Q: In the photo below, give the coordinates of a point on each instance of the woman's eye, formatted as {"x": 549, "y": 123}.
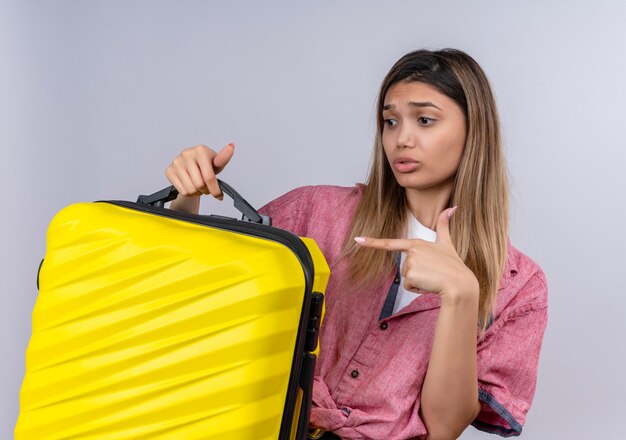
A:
{"x": 390, "y": 122}
{"x": 423, "y": 120}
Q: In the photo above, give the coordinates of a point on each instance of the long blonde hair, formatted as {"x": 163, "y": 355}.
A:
{"x": 479, "y": 228}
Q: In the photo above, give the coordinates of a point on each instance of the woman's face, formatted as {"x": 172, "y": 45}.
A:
{"x": 423, "y": 135}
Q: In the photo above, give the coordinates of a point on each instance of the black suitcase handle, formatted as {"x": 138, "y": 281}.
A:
{"x": 159, "y": 198}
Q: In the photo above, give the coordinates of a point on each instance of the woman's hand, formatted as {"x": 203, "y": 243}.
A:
{"x": 449, "y": 397}
{"x": 433, "y": 267}
{"x": 193, "y": 172}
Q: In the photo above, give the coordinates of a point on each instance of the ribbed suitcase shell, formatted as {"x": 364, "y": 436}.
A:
{"x": 148, "y": 326}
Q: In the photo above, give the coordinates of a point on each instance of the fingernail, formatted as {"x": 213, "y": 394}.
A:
{"x": 359, "y": 240}
{"x": 452, "y": 211}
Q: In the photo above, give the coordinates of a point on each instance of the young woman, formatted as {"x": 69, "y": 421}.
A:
{"x": 434, "y": 321}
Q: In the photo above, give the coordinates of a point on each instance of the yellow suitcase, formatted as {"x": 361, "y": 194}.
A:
{"x": 155, "y": 324}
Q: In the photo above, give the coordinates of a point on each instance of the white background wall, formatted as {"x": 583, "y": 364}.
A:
{"x": 96, "y": 98}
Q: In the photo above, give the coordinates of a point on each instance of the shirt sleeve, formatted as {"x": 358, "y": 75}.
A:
{"x": 507, "y": 362}
{"x": 289, "y": 211}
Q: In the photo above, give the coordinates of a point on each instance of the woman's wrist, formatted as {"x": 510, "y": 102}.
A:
{"x": 190, "y": 205}
{"x": 465, "y": 291}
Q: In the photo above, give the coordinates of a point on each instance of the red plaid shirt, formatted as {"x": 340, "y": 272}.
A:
{"x": 370, "y": 371}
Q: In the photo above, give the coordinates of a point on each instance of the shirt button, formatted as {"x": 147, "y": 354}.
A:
{"x": 384, "y": 326}
{"x": 354, "y": 373}
{"x": 396, "y": 280}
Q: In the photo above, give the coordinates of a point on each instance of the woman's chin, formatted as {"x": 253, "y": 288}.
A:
{"x": 418, "y": 183}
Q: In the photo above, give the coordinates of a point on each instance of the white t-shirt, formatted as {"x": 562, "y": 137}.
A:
{"x": 415, "y": 230}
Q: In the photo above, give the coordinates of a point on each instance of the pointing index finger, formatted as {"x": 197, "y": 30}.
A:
{"x": 386, "y": 244}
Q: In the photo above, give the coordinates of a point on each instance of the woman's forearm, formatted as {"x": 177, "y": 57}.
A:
{"x": 449, "y": 398}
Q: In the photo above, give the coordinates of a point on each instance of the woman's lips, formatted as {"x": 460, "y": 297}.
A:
{"x": 405, "y": 165}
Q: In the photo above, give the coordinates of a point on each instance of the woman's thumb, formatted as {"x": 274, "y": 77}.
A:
{"x": 223, "y": 156}
{"x": 443, "y": 224}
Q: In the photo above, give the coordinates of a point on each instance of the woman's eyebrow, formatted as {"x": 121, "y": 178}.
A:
{"x": 414, "y": 104}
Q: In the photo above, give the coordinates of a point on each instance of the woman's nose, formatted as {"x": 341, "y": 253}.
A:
{"x": 406, "y": 137}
